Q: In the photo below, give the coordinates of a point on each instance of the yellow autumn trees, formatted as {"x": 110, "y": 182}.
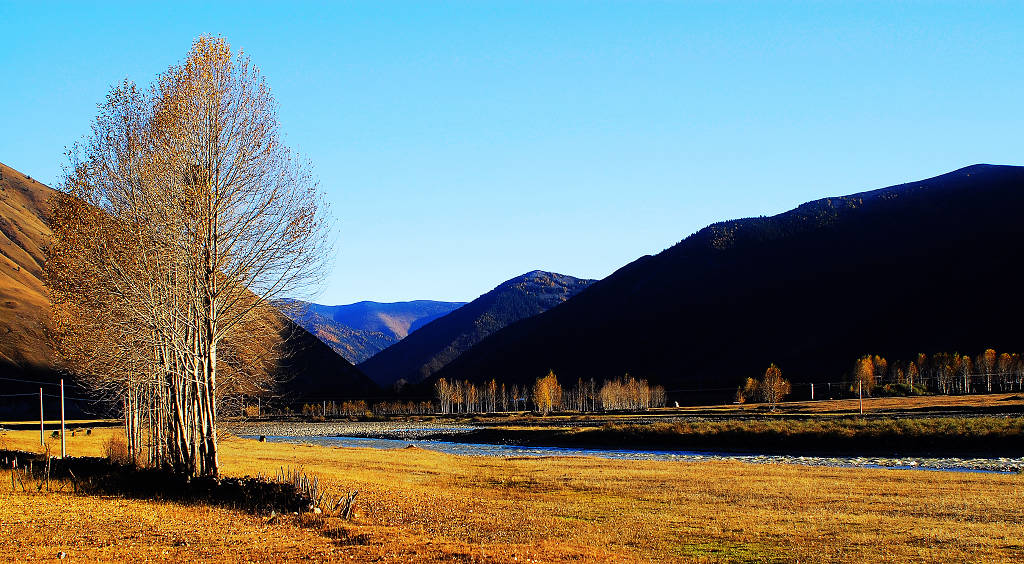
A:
{"x": 942, "y": 372}
{"x": 773, "y": 387}
{"x": 184, "y": 216}
{"x": 770, "y": 389}
{"x": 864, "y": 375}
{"x": 547, "y": 393}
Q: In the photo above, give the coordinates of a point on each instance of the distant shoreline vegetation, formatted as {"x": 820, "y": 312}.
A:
{"x": 937, "y": 374}
{"x": 953, "y": 436}
{"x": 547, "y": 395}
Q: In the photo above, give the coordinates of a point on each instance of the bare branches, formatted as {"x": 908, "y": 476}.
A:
{"x": 184, "y": 216}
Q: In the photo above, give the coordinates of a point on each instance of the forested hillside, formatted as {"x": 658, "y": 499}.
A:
{"x": 921, "y": 267}
{"x": 433, "y": 346}
{"x": 360, "y": 330}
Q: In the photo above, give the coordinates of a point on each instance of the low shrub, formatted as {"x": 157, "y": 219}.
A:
{"x": 900, "y": 390}
{"x": 116, "y": 450}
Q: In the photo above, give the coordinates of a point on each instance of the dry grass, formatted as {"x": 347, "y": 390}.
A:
{"x": 890, "y": 404}
{"x": 418, "y": 505}
{"x": 39, "y": 526}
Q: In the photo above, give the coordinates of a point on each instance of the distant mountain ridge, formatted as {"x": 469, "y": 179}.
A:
{"x": 437, "y": 343}
{"x": 360, "y": 330}
{"x": 925, "y": 266}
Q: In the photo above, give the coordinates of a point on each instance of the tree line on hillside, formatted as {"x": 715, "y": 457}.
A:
{"x": 547, "y": 395}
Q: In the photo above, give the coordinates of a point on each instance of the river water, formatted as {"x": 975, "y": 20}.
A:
{"x": 406, "y": 435}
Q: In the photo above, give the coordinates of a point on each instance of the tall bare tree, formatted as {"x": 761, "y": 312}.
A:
{"x": 186, "y": 216}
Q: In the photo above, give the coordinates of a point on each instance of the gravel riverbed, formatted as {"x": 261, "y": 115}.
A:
{"x": 366, "y": 429}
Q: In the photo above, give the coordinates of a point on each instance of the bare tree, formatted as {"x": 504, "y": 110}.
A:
{"x": 189, "y": 216}
{"x": 773, "y": 388}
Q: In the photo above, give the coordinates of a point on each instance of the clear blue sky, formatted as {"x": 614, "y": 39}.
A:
{"x": 464, "y": 143}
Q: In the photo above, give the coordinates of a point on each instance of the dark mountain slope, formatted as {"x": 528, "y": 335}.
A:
{"x": 926, "y": 266}
{"x": 439, "y": 342}
{"x": 25, "y": 352}
{"x": 313, "y": 371}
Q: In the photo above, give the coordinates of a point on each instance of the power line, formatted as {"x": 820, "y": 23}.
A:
{"x": 37, "y": 382}
{"x": 65, "y": 397}
{"x": 35, "y": 395}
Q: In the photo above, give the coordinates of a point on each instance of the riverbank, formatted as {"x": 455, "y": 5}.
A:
{"x": 963, "y": 436}
{"x": 399, "y": 430}
{"x": 507, "y": 442}
{"x": 940, "y": 436}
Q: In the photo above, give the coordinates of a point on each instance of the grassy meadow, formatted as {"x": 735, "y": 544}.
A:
{"x": 418, "y": 505}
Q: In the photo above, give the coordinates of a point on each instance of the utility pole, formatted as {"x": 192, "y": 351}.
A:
{"x": 860, "y": 395}
{"x": 41, "y": 432}
{"x": 63, "y": 444}
{"x": 812, "y": 391}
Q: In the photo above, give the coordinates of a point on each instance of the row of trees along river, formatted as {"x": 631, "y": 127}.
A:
{"x": 546, "y": 395}
{"x": 939, "y": 373}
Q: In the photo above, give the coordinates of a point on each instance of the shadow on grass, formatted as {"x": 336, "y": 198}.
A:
{"x": 100, "y": 476}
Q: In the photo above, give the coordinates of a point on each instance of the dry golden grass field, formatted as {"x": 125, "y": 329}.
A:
{"x": 417, "y": 505}
{"x": 883, "y": 404}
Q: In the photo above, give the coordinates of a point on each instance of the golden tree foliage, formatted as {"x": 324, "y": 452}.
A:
{"x": 864, "y": 375}
{"x": 631, "y": 394}
{"x": 747, "y": 391}
{"x": 773, "y": 387}
{"x": 617, "y": 394}
{"x": 547, "y": 393}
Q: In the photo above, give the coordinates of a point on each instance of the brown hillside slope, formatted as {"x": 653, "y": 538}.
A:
{"x": 24, "y": 308}
{"x": 312, "y": 370}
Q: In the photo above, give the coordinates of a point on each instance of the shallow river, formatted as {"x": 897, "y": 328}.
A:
{"x": 332, "y": 435}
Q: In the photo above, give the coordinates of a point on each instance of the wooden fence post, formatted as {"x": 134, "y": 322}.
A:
{"x": 860, "y": 395}
{"x": 63, "y": 444}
